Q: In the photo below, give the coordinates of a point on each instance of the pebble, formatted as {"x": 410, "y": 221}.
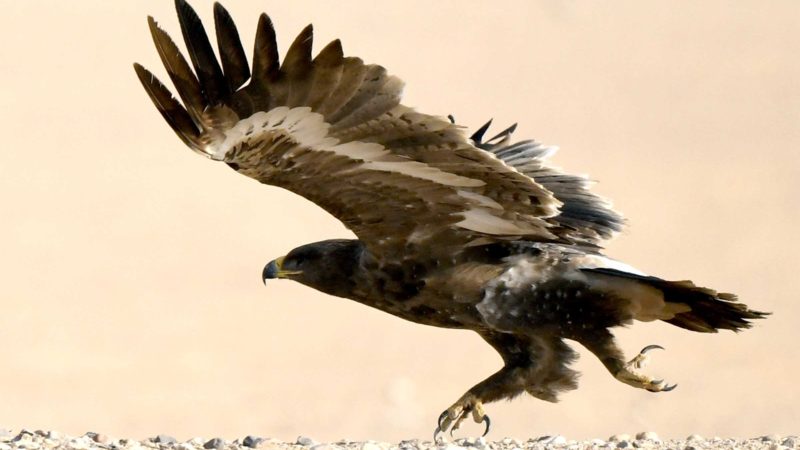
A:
{"x": 552, "y": 440}
{"x": 789, "y": 442}
{"x": 216, "y": 443}
{"x": 252, "y": 441}
{"x": 619, "y": 438}
{"x": 164, "y": 439}
{"x": 648, "y": 436}
{"x": 306, "y": 441}
{"x": 623, "y": 444}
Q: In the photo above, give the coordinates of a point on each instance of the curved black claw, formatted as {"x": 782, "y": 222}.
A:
{"x": 651, "y": 347}
{"x": 451, "y": 118}
{"x": 669, "y": 388}
{"x": 488, "y": 423}
{"x": 439, "y": 424}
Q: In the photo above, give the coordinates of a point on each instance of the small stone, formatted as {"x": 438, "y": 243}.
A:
{"x": 306, "y": 441}
{"x": 164, "y": 439}
{"x": 465, "y": 442}
{"x": 4, "y": 446}
{"x": 552, "y": 440}
{"x": 251, "y": 441}
{"x": 480, "y": 442}
{"x": 694, "y": 437}
{"x": 789, "y": 442}
{"x": 598, "y": 442}
{"x": 776, "y": 446}
{"x": 624, "y": 444}
{"x": 97, "y": 437}
{"x": 769, "y": 438}
{"x": 409, "y": 444}
{"x": 690, "y": 447}
{"x": 23, "y": 434}
{"x": 80, "y": 443}
{"x": 185, "y": 446}
{"x": 216, "y": 443}
{"x": 619, "y": 438}
{"x": 648, "y": 436}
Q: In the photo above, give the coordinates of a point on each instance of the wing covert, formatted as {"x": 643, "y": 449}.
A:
{"x": 331, "y": 128}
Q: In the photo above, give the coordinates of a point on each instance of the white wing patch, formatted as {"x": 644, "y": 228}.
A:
{"x": 482, "y": 220}
{"x": 310, "y": 130}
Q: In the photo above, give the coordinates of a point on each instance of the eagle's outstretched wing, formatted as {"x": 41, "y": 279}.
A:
{"x": 332, "y": 129}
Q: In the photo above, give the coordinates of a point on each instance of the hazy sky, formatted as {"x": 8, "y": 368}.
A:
{"x": 133, "y": 305}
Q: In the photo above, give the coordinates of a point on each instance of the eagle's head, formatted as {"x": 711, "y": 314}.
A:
{"x": 327, "y": 266}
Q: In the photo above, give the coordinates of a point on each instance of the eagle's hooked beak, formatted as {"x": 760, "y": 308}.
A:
{"x": 275, "y": 270}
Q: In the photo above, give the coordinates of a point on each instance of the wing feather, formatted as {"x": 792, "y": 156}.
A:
{"x": 212, "y": 81}
{"x": 173, "y": 112}
{"x": 332, "y": 129}
{"x": 231, "y": 52}
{"x": 297, "y": 67}
{"x": 584, "y": 217}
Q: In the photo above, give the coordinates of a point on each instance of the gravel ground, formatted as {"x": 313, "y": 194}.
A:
{"x": 45, "y": 440}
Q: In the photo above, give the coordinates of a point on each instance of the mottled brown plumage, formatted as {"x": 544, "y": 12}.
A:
{"x": 453, "y": 231}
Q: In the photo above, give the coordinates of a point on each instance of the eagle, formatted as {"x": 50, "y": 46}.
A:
{"x": 453, "y": 230}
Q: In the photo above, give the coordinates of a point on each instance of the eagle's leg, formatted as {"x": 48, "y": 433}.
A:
{"x": 505, "y": 383}
{"x": 602, "y": 344}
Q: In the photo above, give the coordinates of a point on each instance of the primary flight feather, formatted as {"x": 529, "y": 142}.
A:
{"x": 453, "y": 230}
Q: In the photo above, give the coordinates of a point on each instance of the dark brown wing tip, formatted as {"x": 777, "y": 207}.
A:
{"x": 202, "y": 55}
{"x": 266, "y": 63}
{"x": 231, "y": 52}
{"x": 173, "y": 112}
{"x": 331, "y": 54}
{"x": 297, "y": 61}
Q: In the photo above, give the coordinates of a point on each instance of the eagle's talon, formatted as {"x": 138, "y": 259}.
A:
{"x": 450, "y": 419}
{"x": 651, "y": 347}
{"x": 641, "y": 359}
{"x": 633, "y": 378}
{"x": 488, "y": 423}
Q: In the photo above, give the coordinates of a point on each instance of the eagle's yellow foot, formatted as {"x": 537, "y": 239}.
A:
{"x": 451, "y": 418}
{"x": 630, "y": 376}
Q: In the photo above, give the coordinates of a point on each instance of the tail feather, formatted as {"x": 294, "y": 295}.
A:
{"x": 709, "y": 311}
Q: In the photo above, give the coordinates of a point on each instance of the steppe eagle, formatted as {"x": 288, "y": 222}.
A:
{"x": 453, "y": 230}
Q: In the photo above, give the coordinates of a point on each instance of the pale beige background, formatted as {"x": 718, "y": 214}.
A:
{"x": 131, "y": 300}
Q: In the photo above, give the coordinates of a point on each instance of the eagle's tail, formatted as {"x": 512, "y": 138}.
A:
{"x": 696, "y": 308}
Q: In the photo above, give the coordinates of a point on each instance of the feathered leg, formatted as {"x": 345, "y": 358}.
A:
{"x": 536, "y": 364}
